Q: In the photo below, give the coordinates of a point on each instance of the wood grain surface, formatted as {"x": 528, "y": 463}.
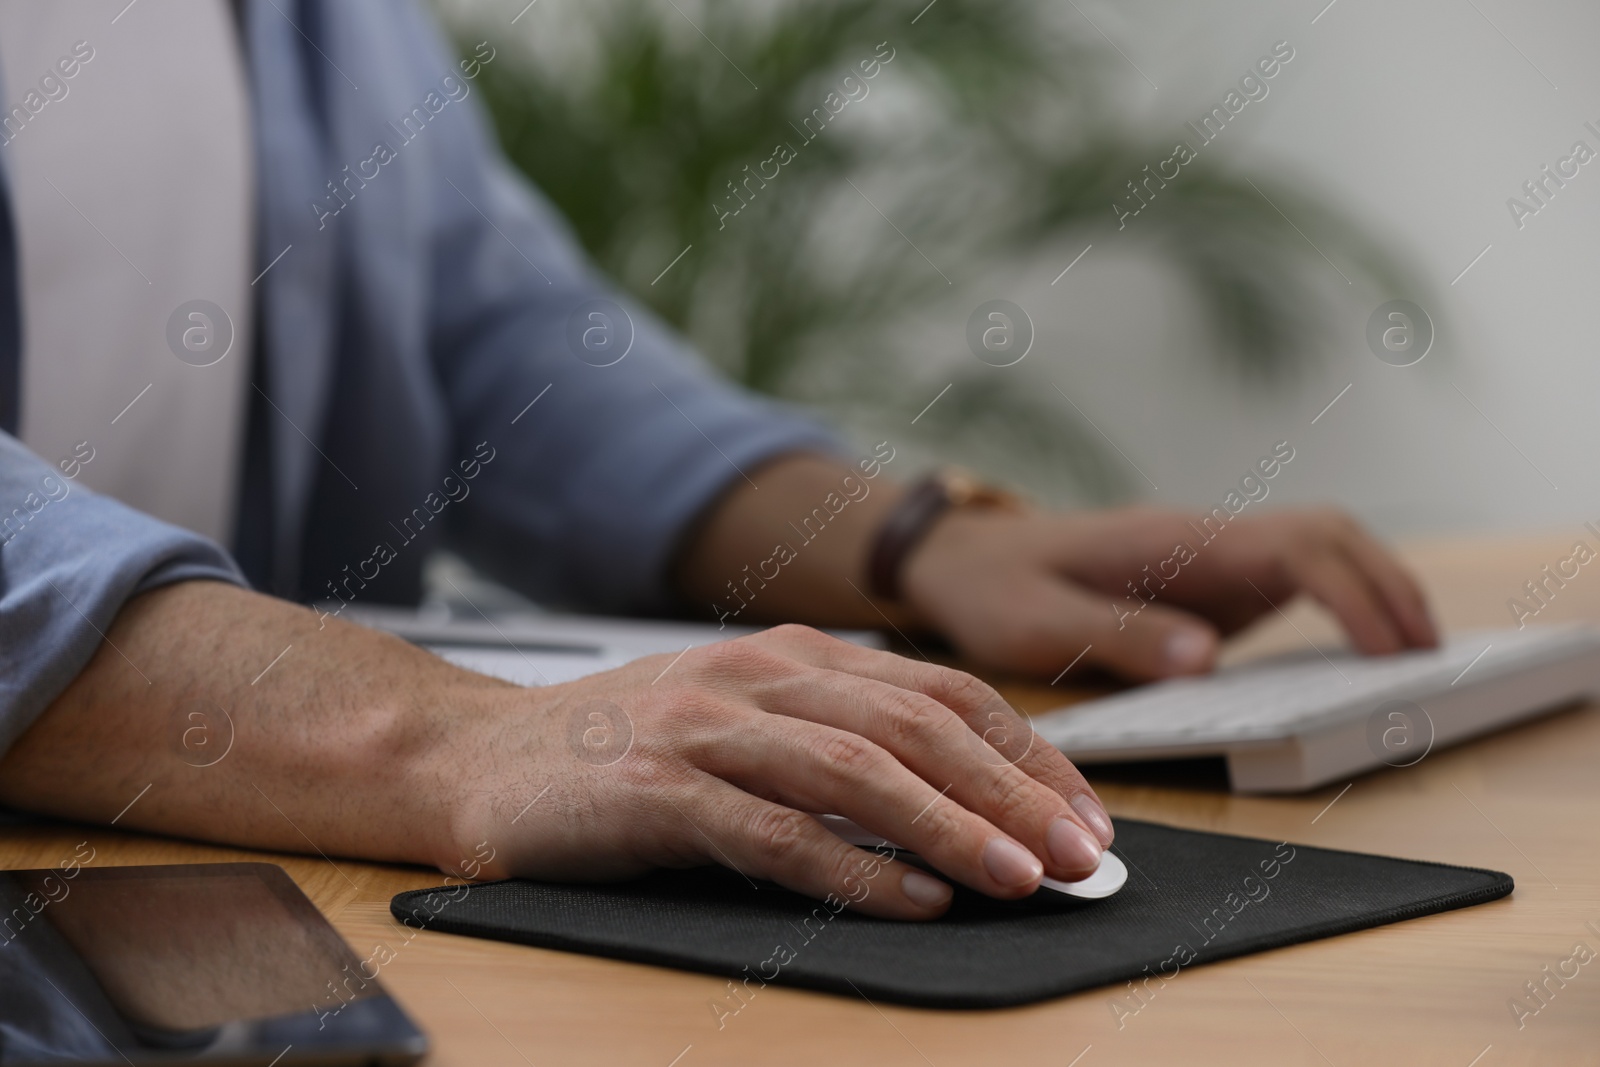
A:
{"x": 1431, "y": 991}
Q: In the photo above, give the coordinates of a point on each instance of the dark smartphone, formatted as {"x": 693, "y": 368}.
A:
{"x": 218, "y": 963}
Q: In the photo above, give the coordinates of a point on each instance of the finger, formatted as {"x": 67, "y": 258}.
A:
{"x": 820, "y": 768}
{"x": 920, "y": 775}
{"x": 1400, "y": 592}
{"x": 1135, "y": 638}
{"x": 1332, "y": 578}
{"x": 760, "y": 839}
{"x": 994, "y": 725}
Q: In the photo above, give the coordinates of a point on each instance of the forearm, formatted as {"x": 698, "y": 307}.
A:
{"x": 778, "y": 551}
{"x": 347, "y": 742}
{"x": 328, "y": 747}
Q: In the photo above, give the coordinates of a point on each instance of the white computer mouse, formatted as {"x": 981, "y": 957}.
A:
{"x": 1106, "y": 880}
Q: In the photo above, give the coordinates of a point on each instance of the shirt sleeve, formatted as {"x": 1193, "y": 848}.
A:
{"x": 69, "y": 559}
{"x": 612, "y": 450}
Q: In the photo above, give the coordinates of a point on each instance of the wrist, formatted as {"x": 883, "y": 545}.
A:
{"x": 928, "y": 504}
{"x": 796, "y": 550}
{"x": 421, "y": 751}
{"x": 498, "y": 765}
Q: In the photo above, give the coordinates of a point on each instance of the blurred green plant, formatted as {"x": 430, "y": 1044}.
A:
{"x": 989, "y": 136}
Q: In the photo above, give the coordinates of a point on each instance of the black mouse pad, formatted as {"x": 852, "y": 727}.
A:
{"x": 1191, "y": 898}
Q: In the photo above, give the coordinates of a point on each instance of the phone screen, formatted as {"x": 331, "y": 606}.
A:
{"x": 223, "y": 963}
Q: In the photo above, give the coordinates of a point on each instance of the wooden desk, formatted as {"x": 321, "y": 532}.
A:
{"x": 1431, "y": 991}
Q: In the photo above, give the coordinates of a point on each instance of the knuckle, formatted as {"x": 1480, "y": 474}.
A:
{"x": 687, "y": 708}
{"x": 728, "y": 653}
{"x": 1007, "y": 733}
{"x": 741, "y": 658}
{"x": 947, "y": 825}
{"x": 911, "y": 719}
{"x": 799, "y": 634}
{"x": 1009, "y": 794}
{"x": 688, "y": 726}
{"x": 658, "y": 775}
{"x": 849, "y": 755}
{"x": 956, "y": 689}
{"x": 781, "y": 834}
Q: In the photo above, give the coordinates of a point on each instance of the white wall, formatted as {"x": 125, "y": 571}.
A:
{"x": 1421, "y": 119}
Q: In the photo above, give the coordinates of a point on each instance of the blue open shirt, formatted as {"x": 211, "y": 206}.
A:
{"x": 413, "y": 317}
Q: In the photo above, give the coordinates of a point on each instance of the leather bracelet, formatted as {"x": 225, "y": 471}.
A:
{"x": 902, "y": 529}
{"x": 905, "y": 526}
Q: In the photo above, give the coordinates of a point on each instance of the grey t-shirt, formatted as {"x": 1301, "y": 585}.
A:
{"x": 126, "y": 141}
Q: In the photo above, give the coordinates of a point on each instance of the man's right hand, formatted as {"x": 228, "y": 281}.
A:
{"x": 355, "y": 743}
{"x": 715, "y": 758}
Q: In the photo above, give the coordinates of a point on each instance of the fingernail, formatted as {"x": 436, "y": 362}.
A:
{"x": 1187, "y": 650}
{"x": 1009, "y": 863}
{"x": 1072, "y": 847}
{"x": 921, "y": 889}
{"x": 1095, "y": 817}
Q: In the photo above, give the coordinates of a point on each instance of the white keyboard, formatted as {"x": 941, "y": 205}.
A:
{"x": 1297, "y": 721}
